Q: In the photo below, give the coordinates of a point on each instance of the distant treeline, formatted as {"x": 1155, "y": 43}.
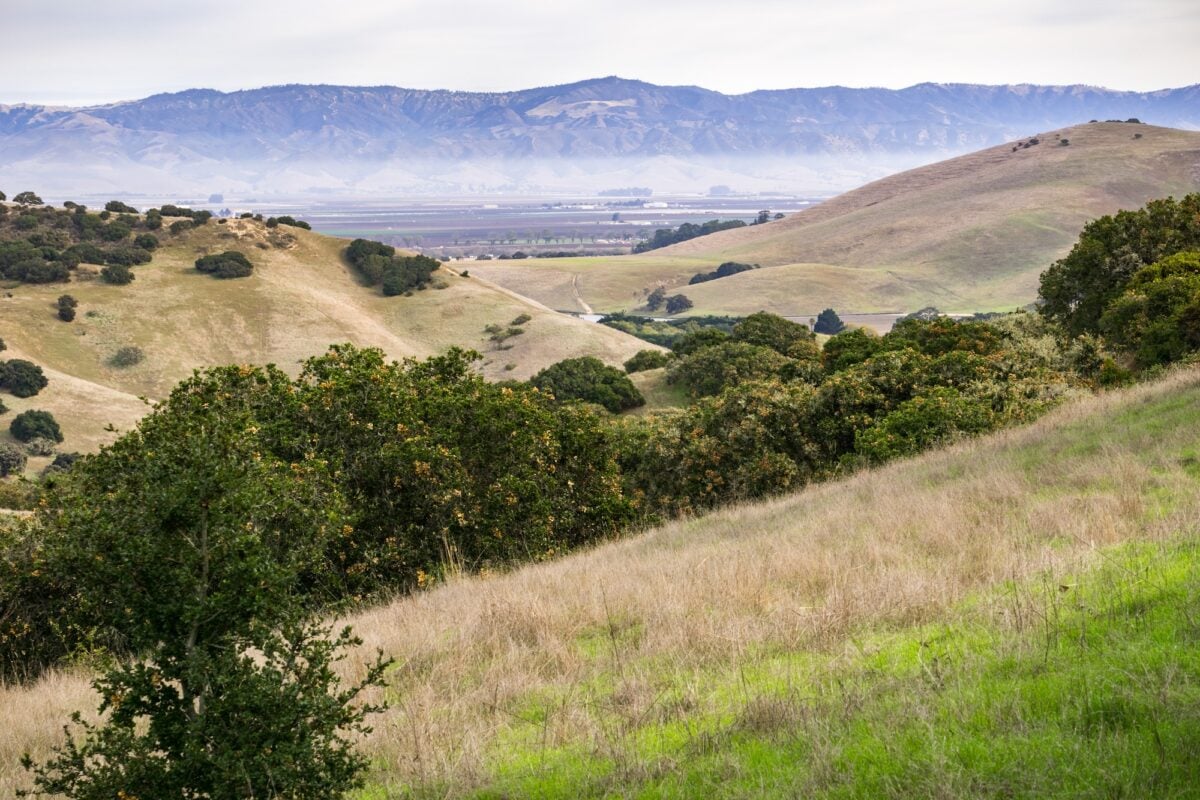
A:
{"x": 664, "y": 237}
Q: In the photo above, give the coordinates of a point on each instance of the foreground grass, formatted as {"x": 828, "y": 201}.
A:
{"x": 1010, "y": 617}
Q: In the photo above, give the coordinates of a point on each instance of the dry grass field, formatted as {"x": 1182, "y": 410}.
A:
{"x": 759, "y": 650}
{"x": 969, "y": 234}
{"x": 301, "y": 298}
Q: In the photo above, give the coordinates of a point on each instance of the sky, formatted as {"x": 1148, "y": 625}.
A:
{"x": 80, "y": 52}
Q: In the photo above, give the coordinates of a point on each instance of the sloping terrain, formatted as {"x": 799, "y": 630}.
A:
{"x": 960, "y": 624}
{"x": 301, "y": 298}
{"x": 969, "y": 234}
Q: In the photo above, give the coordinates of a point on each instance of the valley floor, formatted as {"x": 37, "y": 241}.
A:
{"x": 1014, "y": 616}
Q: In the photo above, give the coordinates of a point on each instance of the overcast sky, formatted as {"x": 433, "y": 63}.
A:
{"x": 81, "y": 51}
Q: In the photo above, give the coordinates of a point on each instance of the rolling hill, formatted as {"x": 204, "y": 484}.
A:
{"x": 956, "y": 625}
{"x": 969, "y": 234}
{"x": 301, "y": 298}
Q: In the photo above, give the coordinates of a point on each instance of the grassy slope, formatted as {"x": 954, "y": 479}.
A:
{"x": 301, "y": 299}
{"x": 979, "y": 621}
{"x": 969, "y": 234}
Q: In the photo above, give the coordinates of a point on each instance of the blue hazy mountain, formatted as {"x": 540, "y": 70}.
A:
{"x": 583, "y": 136}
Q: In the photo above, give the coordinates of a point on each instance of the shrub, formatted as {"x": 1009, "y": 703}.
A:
{"x": 590, "y": 380}
{"x": 646, "y": 359}
{"x": 12, "y": 459}
{"x": 848, "y": 348}
{"x": 117, "y": 207}
{"x": 783, "y": 336}
{"x": 922, "y": 422}
{"x": 709, "y": 370}
{"x": 40, "y": 446}
{"x": 146, "y": 241}
{"x": 27, "y": 199}
{"x": 179, "y": 226}
{"x": 656, "y": 298}
{"x": 67, "y": 301}
{"x": 127, "y": 356}
{"x": 723, "y": 271}
{"x": 117, "y": 274}
{"x": 230, "y": 264}
{"x": 22, "y": 378}
{"x": 66, "y": 314}
{"x": 520, "y": 319}
{"x": 678, "y": 303}
{"x": 32, "y": 424}
{"x": 127, "y": 256}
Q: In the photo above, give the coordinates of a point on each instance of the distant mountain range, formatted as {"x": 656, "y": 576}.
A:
{"x": 583, "y": 136}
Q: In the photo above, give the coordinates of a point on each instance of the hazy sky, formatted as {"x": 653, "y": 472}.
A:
{"x": 82, "y": 51}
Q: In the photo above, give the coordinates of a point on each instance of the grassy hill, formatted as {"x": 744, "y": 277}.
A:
{"x": 301, "y": 298}
{"x": 969, "y": 234}
{"x": 961, "y": 624}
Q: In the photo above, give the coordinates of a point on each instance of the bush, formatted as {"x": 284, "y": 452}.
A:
{"x": 66, "y": 314}
{"x": 127, "y": 356}
{"x": 678, "y": 303}
{"x": 12, "y": 460}
{"x": 230, "y": 264}
{"x": 723, "y": 271}
{"x": 646, "y": 359}
{"x": 848, "y": 348}
{"x": 922, "y": 422}
{"x": 146, "y": 241}
{"x": 117, "y": 274}
{"x": 27, "y": 199}
{"x": 590, "y": 380}
{"x": 520, "y": 319}
{"x": 117, "y": 207}
{"x": 29, "y": 425}
{"x": 179, "y": 226}
{"x": 709, "y": 370}
{"x": 783, "y": 336}
{"x": 127, "y": 256}
{"x": 22, "y": 378}
{"x": 40, "y": 446}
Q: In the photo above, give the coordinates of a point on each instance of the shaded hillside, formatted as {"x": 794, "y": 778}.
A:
{"x": 295, "y": 138}
{"x": 969, "y": 234}
{"x": 301, "y": 298}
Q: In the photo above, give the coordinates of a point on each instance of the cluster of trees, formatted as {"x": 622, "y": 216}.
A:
{"x": 673, "y": 304}
{"x": 663, "y": 237}
{"x": 44, "y": 244}
{"x": 665, "y": 332}
{"x": 723, "y": 271}
{"x": 229, "y": 264}
{"x": 66, "y": 307}
{"x": 1134, "y": 279}
{"x": 292, "y": 222}
{"x": 380, "y": 266}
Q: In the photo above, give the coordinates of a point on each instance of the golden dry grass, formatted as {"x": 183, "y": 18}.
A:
{"x": 969, "y": 234}
{"x": 301, "y": 298}
{"x": 609, "y": 632}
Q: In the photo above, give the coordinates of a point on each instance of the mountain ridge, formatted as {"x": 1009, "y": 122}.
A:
{"x": 296, "y": 137}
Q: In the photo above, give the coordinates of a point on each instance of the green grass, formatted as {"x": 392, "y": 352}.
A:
{"x": 1085, "y": 687}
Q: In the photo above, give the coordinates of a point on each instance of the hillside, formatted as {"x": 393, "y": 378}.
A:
{"x": 969, "y": 234}
{"x": 301, "y": 298}
{"x": 954, "y": 625}
{"x": 581, "y": 136}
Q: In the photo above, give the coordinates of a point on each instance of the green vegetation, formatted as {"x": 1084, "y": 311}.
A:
{"x": 1135, "y": 278}
{"x": 664, "y": 237}
{"x": 677, "y": 304}
{"x": 380, "y": 266}
{"x": 828, "y": 322}
{"x": 33, "y": 424}
{"x": 22, "y": 378}
{"x": 665, "y": 332}
{"x": 723, "y": 271}
{"x": 590, "y": 380}
{"x": 646, "y": 359}
{"x": 12, "y": 460}
{"x": 291, "y": 222}
{"x": 230, "y": 264}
